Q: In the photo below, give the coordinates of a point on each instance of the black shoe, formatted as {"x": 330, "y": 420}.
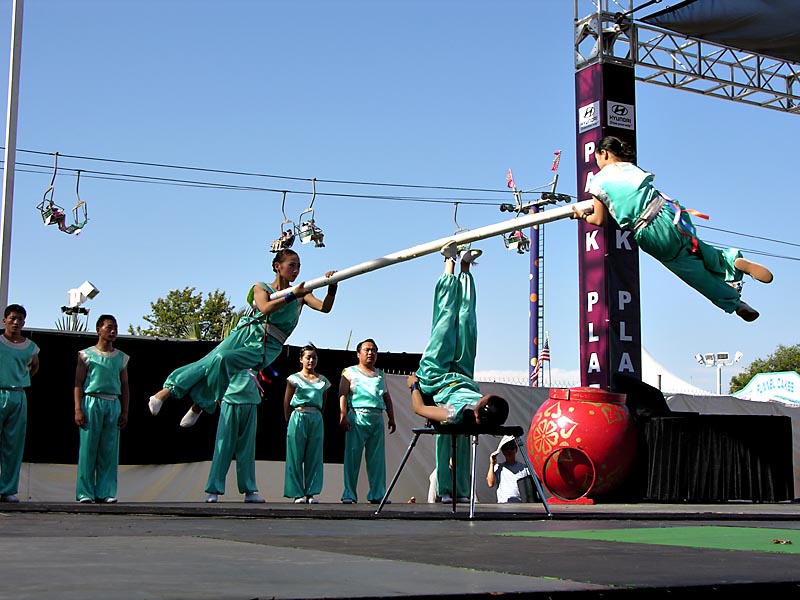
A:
{"x": 746, "y": 312}
{"x": 378, "y": 502}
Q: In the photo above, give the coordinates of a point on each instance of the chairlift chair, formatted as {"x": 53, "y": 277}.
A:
{"x": 78, "y": 222}
{"x": 308, "y": 231}
{"x": 467, "y": 245}
{"x": 286, "y": 239}
{"x": 517, "y": 240}
{"x": 52, "y": 213}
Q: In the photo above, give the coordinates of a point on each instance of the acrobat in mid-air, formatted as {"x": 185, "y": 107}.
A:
{"x": 253, "y": 344}
{"x": 663, "y": 228}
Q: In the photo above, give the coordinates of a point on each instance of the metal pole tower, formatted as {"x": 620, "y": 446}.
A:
{"x": 11, "y": 150}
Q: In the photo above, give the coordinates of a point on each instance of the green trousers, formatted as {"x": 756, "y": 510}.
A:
{"x": 13, "y": 426}
{"x": 366, "y": 435}
{"x": 98, "y": 457}
{"x": 444, "y": 476}
{"x": 708, "y": 270}
{"x": 206, "y": 380}
{"x": 304, "y": 444}
{"x": 236, "y": 438}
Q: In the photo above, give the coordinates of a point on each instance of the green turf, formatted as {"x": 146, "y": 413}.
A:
{"x": 752, "y": 539}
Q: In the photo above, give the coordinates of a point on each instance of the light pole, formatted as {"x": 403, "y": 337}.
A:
{"x": 718, "y": 360}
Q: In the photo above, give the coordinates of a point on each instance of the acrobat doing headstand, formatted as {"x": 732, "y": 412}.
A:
{"x": 447, "y": 367}
{"x": 664, "y": 229}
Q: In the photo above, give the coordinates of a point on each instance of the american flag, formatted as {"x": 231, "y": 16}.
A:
{"x": 544, "y": 355}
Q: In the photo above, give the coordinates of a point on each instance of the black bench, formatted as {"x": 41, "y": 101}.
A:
{"x": 473, "y": 431}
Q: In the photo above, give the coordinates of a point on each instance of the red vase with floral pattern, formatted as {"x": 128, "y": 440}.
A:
{"x": 582, "y": 442}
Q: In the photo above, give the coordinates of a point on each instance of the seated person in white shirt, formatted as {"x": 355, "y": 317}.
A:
{"x": 510, "y": 477}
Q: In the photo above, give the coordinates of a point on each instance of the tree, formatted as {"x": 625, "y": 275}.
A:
{"x": 785, "y": 358}
{"x": 195, "y": 330}
{"x": 184, "y": 313}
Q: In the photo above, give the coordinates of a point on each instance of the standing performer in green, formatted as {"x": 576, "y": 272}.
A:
{"x": 101, "y": 410}
{"x": 362, "y": 399}
{"x": 236, "y": 436}
{"x": 19, "y": 361}
{"x": 664, "y": 229}
{"x": 303, "y": 406}
{"x": 444, "y": 466}
{"x": 254, "y": 344}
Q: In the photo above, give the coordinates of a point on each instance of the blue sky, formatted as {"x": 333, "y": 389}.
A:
{"x": 434, "y": 93}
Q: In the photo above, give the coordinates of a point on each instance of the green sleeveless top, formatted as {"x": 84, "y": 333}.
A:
{"x": 285, "y": 318}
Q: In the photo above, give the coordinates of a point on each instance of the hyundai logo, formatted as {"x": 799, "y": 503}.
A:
{"x": 589, "y": 112}
{"x": 619, "y": 110}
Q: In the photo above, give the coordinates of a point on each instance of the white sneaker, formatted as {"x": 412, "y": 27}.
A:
{"x": 447, "y": 499}
{"x": 462, "y": 500}
{"x": 9, "y": 498}
{"x": 450, "y": 250}
{"x": 300, "y": 500}
{"x": 190, "y": 418}
{"x": 470, "y": 256}
{"x": 109, "y": 500}
{"x": 212, "y": 498}
{"x": 155, "y": 405}
{"x": 312, "y": 500}
{"x": 254, "y": 498}
{"x": 85, "y": 500}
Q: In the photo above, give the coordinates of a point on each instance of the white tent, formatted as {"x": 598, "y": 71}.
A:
{"x": 657, "y": 375}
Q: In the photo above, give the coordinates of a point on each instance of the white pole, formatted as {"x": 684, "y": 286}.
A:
{"x": 11, "y": 151}
{"x": 554, "y": 214}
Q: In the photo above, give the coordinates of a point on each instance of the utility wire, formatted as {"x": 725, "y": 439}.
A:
{"x": 251, "y": 174}
{"x": 754, "y": 251}
{"x": 755, "y": 237}
{"x": 154, "y": 180}
{"x": 106, "y": 175}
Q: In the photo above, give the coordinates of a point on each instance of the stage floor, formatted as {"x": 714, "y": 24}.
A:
{"x": 283, "y": 550}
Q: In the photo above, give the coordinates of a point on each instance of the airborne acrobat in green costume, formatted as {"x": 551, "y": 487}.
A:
{"x": 253, "y": 344}
{"x": 664, "y": 229}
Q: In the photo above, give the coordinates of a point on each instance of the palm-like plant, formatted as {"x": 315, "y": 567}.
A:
{"x": 68, "y": 323}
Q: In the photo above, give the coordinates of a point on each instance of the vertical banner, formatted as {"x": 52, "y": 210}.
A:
{"x": 608, "y": 258}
